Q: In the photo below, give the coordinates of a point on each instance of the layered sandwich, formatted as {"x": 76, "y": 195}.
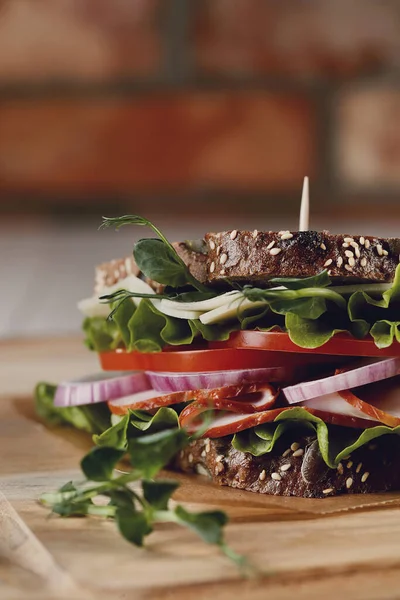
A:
{"x": 278, "y": 353}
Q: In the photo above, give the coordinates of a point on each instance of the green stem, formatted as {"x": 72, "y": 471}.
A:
{"x": 124, "y": 294}
{"x": 107, "y": 510}
{"x": 369, "y": 288}
{"x": 270, "y": 295}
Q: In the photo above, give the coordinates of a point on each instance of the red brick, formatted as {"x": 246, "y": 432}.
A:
{"x": 244, "y": 141}
{"x": 78, "y": 39}
{"x": 368, "y": 131}
{"x": 305, "y": 39}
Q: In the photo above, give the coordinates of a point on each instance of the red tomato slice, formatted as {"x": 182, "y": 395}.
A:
{"x": 192, "y": 361}
{"x": 278, "y": 341}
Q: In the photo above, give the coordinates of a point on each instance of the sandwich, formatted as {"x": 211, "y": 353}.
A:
{"x": 277, "y": 352}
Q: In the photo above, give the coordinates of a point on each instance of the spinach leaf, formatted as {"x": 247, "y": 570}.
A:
{"x": 151, "y": 259}
{"x": 158, "y": 493}
{"x": 208, "y": 525}
{"x": 133, "y": 525}
{"x": 150, "y": 453}
{"x": 160, "y": 263}
{"x": 100, "y": 462}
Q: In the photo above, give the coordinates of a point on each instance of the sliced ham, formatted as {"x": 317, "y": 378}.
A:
{"x": 377, "y": 402}
{"x": 380, "y": 401}
{"x": 151, "y": 399}
{"x": 225, "y": 423}
{"x": 251, "y": 403}
{"x": 336, "y": 404}
{"x": 231, "y": 423}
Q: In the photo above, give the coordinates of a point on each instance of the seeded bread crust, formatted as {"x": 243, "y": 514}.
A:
{"x": 256, "y": 256}
{"x": 109, "y": 273}
{"x": 295, "y": 467}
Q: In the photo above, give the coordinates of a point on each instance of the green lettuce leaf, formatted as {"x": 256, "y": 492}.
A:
{"x": 93, "y": 418}
{"x": 385, "y": 332}
{"x": 379, "y": 316}
{"x": 123, "y": 313}
{"x": 165, "y": 418}
{"x": 115, "y": 436}
{"x": 310, "y": 333}
{"x": 308, "y": 309}
{"x": 135, "y": 424}
{"x": 212, "y": 333}
{"x": 334, "y": 442}
{"x": 101, "y": 334}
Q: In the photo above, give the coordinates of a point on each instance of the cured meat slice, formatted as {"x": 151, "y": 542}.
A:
{"x": 151, "y": 399}
{"x": 251, "y": 403}
{"x": 225, "y": 422}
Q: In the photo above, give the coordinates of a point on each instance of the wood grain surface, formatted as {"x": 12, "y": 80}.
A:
{"x": 347, "y": 547}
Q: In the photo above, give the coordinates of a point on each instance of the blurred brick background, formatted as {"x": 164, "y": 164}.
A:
{"x": 209, "y": 104}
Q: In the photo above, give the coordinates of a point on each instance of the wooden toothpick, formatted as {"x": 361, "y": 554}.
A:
{"x": 305, "y": 207}
{"x": 20, "y": 546}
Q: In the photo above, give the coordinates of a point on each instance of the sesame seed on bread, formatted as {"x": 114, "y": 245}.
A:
{"x": 256, "y": 256}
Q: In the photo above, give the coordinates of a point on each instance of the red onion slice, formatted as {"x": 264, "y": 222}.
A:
{"x": 345, "y": 380}
{"x": 179, "y": 382}
{"x": 100, "y": 388}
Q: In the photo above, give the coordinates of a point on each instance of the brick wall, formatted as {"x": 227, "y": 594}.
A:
{"x": 144, "y": 104}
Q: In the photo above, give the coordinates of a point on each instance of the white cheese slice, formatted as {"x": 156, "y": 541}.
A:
{"x": 229, "y": 310}
{"x": 93, "y": 307}
{"x": 173, "y": 312}
{"x": 203, "y": 305}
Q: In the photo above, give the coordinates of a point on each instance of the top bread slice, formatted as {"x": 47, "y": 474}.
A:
{"x": 255, "y": 257}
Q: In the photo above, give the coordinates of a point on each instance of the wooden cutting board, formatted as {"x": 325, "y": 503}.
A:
{"x": 306, "y": 548}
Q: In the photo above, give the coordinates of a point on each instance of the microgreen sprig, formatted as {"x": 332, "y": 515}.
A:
{"x": 135, "y": 500}
{"x": 120, "y": 296}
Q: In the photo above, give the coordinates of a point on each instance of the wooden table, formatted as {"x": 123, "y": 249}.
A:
{"x": 347, "y": 547}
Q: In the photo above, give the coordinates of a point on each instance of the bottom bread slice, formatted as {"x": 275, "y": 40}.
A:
{"x": 295, "y": 467}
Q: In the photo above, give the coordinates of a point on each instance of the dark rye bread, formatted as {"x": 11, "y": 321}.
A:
{"x": 295, "y": 467}
{"x": 256, "y": 256}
